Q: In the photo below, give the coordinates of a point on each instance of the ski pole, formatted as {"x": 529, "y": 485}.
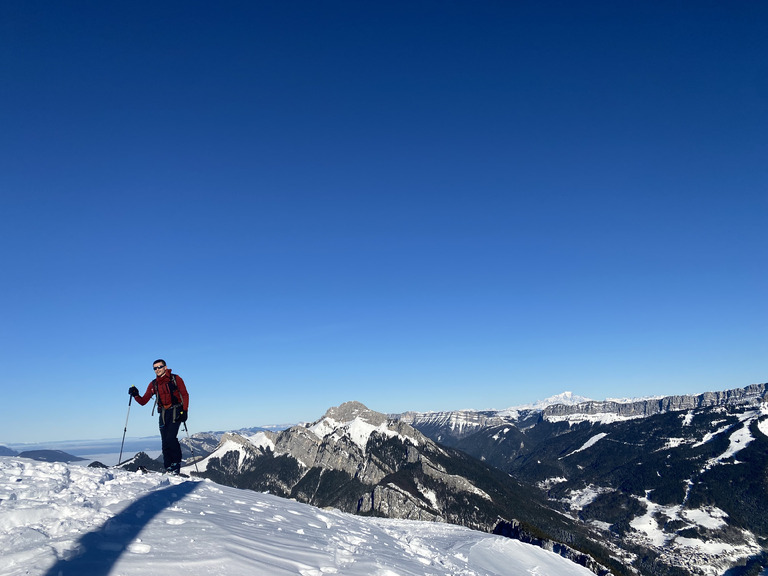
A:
{"x": 190, "y": 447}
{"x": 120, "y": 458}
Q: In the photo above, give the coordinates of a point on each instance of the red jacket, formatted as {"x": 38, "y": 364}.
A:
{"x": 164, "y": 399}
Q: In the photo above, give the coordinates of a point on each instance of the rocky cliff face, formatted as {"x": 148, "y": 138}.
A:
{"x": 753, "y": 394}
{"x": 450, "y": 428}
{"x": 340, "y": 442}
{"x": 354, "y": 446}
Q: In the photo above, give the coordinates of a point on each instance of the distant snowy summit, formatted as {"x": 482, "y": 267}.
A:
{"x": 566, "y": 398}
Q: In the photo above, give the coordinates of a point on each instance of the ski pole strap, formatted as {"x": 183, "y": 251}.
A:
{"x": 154, "y": 383}
{"x": 172, "y": 388}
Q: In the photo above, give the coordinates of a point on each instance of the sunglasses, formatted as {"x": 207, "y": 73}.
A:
{"x": 158, "y": 367}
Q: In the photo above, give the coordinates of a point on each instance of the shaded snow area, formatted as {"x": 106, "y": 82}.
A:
{"x": 61, "y": 520}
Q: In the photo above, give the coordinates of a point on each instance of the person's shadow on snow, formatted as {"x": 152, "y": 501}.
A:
{"x": 97, "y": 551}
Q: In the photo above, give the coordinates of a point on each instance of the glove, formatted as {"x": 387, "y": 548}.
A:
{"x": 182, "y": 416}
{"x": 133, "y": 391}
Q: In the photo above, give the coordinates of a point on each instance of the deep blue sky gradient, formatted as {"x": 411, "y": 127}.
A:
{"x": 417, "y": 205}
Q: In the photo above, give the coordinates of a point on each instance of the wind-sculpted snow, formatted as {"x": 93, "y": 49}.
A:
{"x": 57, "y": 519}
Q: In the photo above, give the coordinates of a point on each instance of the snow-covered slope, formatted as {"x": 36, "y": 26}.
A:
{"x": 57, "y": 519}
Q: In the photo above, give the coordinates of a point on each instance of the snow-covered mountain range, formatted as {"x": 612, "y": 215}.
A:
{"x": 450, "y": 426}
{"x": 456, "y": 424}
{"x": 668, "y": 486}
{"x": 676, "y": 485}
{"x": 672, "y": 485}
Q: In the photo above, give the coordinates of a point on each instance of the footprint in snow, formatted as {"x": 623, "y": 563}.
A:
{"x": 175, "y": 521}
{"x": 138, "y": 548}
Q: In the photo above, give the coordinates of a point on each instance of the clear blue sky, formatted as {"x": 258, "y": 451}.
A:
{"x": 417, "y": 205}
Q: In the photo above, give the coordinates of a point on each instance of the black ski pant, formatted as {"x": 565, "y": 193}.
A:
{"x": 169, "y": 431}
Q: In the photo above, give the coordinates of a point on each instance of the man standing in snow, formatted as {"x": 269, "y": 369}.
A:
{"x": 172, "y": 402}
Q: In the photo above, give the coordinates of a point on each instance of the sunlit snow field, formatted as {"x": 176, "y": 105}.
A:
{"x": 61, "y": 520}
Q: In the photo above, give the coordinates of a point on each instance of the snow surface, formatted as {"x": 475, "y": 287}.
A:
{"x": 739, "y": 438}
{"x": 62, "y": 520}
{"x": 261, "y": 440}
{"x": 599, "y": 418}
{"x": 763, "y": 426}
{"x": 588, "y": 444}
{"x": 579, "y": 499}
{"x": 650, "y": 525}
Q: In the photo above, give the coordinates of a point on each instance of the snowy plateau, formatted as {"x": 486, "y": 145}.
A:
{"x": 67, "y": 520}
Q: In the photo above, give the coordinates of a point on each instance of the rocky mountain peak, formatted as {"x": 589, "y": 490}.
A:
{"x": 235, "y": 438}
{"x": 355, "y": 422}
{"x": 354, "y": 410}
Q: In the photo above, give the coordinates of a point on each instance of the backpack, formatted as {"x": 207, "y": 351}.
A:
{"x": 172, "y": 388}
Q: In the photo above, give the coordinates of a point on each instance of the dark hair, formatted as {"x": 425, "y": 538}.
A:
{"x": 159, "y": 360}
